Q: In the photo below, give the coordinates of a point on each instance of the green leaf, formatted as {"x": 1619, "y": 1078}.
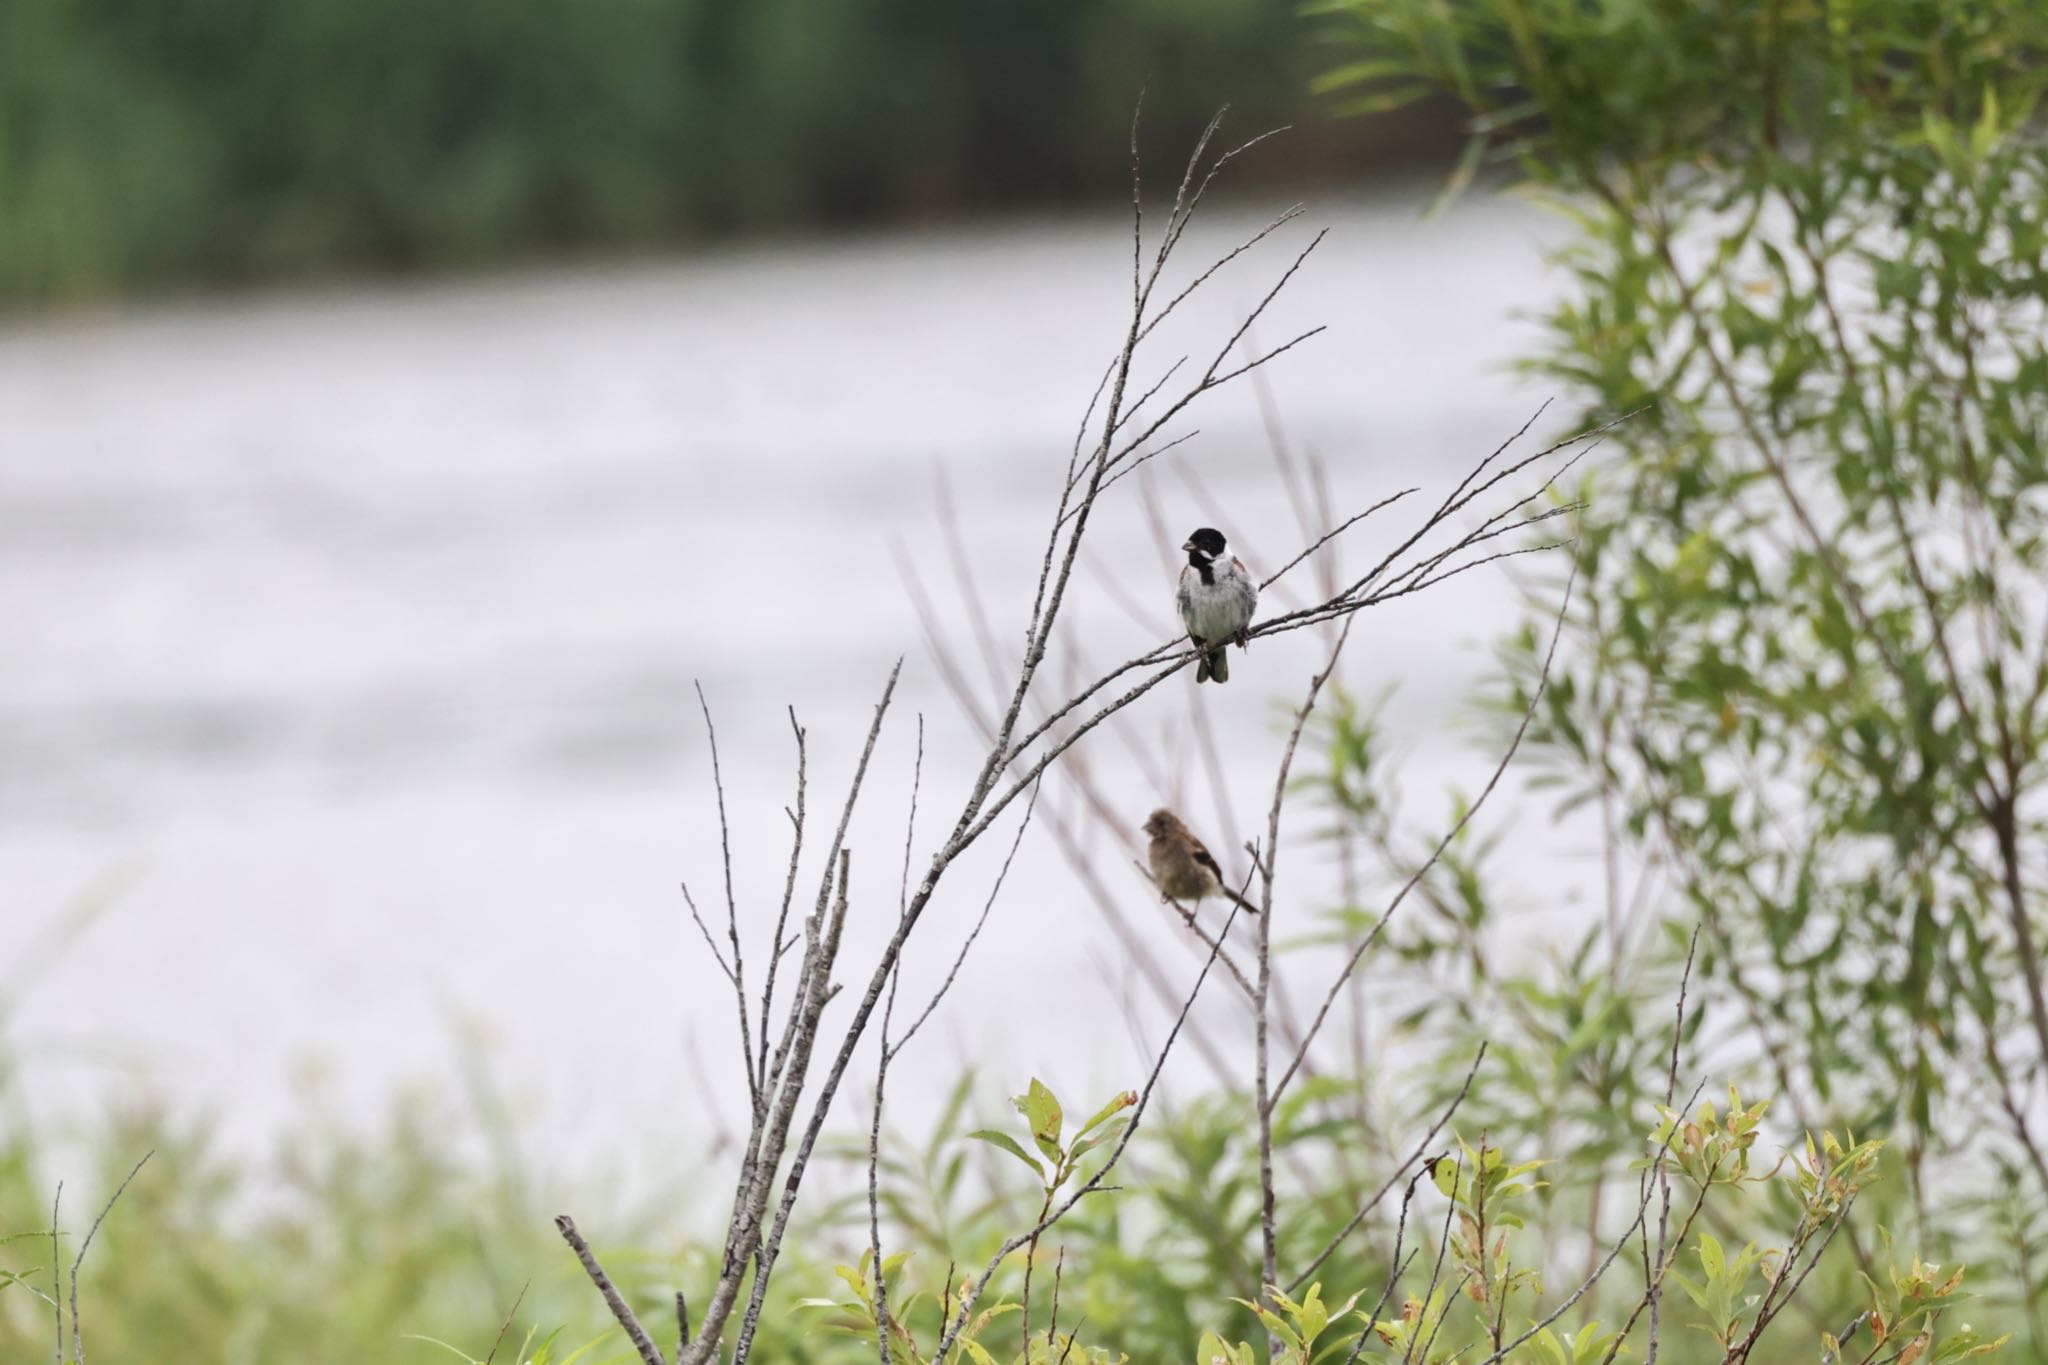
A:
{"x": 1041, "y": 1110}
{"x": 1009, "y": 1144}
{"x": 1116, "y": 1106}
{"x": 1712, "y": 1258}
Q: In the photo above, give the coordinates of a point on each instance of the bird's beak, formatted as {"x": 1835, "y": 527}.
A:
{"x": 1189, "y": 546}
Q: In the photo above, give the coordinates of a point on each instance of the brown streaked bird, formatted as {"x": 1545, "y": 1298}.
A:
{"x": 1184, "y": 869}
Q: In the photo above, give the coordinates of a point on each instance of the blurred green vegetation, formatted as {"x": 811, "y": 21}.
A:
{"x": 397, "y": 1243}
{"x": 199, "y": 142}
{"x": 1802, "y": 685}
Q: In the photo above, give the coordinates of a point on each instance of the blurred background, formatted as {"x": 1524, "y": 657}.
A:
{"x": 409, "y": 411}
{"x": 152, "y": 148}
{"x": 405, "y": 406}
{"x": 404, "y": 409}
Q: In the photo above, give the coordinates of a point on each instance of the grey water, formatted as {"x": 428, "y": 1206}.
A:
{"x": 352, "y": 638}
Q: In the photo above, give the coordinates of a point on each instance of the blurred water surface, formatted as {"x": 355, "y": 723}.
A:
{"x": 354, "y": 635}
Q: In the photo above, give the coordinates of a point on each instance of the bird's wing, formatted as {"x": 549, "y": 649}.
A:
{"x": 1202, "y": 856}
{"x": 1242, "y": 581}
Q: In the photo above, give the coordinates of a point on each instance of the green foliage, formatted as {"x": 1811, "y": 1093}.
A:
{"x": 1758, "y": 1253}
{"x": 1041, "y": 1111}
{"x": 393, "y": 1242}
{"x": 387, "y": 1247}
{"x": 333, "y": 1254}
{"x": 1803, "y": 688}
{"x": 857, "y": 1315}
{"x": 1296, "y": 1326}
{"x": 146, "y": 142}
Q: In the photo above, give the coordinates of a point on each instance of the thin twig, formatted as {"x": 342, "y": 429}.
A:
{"x": 756, "y": 1069}
{"x": 1365, "y": 945}
{"x": 777, "y": 945}
{"x": 1263, "y": 1093}
{"x": 57, "y": 1273}
{"x": 506, "y": 1325}
{"x": 1655, "y": 1287}
{"x": 910, "y": 821}
{"x": 1293, "y": 212}
{"x": 709, "y": 942}
{"x": 1642, "y": 1212}
{"x": 1443, "y": 1245}
{"x": 1324, "y": 539}
{"x": 883, "y": 1054}
{"x": 1397, "y": 1266}
{"x": 1132, "y": 466}
{"x": 819, "y": 993}
{"x": 973, "y": 934}
{"x": 1094, "y": 1182}
{"x": 1349, "y": 1227}
{"x": 622, "y": 1312}
{"x": 78, "y": 1262}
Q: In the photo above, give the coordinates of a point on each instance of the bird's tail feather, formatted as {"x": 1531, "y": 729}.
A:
{"x": 1219, "y": 665}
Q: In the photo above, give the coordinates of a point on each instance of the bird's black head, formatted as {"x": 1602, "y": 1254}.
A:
{"x": 1205, "y": 546}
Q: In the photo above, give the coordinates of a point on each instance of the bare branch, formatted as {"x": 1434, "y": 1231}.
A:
{"x": 1140, "y": 462}
{"x": 78, "y": 1262}
{"x": 1209, "y": 940}
{"x": 1081, "y": 431}
{"x": 1642, "y": 1211}
{"x": 1366, "y": 1209}
{"x": 1332, "y": 534}
{"x": 57, "y": 1272}
{"x": 506, "y": 1325}
{"x": 883, "y": 1054}
{"x": 1264, "y": 1094}
{"x": 1186, "y": 211}
{"x": 1365, "y": 945}
{"x": 910, "y": 821}
{"x": 1443, "y": 1245}
{"x": 832, "y": 855}
{"x": 1397, "y": 1265}
{"x": 778, "y": 945}
{"x": 1148, "y": 395}
{"x": 1175, "y": 652}
{"x": 622, "y": 1312}
{"x": 1515, "y": 553}
{"x": 1293, "y": 212}
{"x": 973, "y": 934}
{"x": 1467, "y": 490}
{"x": 787, "y": 1073}
{"x": 818, "y": 992}
{"x": 709, "y": 942}
{"x": 755, "y": 1067}
{"x": 1273, "y": 354}
{"x": 1654, "y": 1289}
{"x": 1094, "y": 1182}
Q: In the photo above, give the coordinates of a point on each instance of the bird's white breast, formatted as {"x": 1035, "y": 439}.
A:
{"x": 1216, "y": 611}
